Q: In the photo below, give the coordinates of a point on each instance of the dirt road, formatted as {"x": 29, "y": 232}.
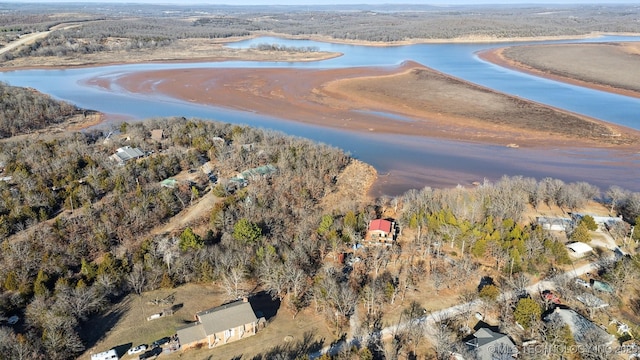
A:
{"x": 24, "y": 40}
{"x": 30, "y": 38}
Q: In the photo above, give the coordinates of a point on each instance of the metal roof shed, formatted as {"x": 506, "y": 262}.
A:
{"x": 579, "y": 249}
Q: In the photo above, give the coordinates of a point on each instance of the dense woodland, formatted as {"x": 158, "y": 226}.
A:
{"x": 77, "y": 232}
{"x": 25, "y": 110}
{"x": 110, "y": 27}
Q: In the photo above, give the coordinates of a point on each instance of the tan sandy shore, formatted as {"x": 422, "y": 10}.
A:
{"x": 424, "y": 102}
{"x": 612, "y": 67}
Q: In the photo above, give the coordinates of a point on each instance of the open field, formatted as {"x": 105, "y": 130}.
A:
{"x": 129, "y": 326}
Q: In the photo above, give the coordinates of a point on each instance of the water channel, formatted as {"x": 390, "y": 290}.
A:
{"x": 404, "y": 162}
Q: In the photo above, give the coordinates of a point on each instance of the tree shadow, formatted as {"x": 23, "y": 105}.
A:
{"x": 121, "y": 350}
{"x": 483, "y": 325}
{"x": 96, "y": 327}
{"x": 177, "y": 307}
{"x": 484, "y": 281}
{"x": 264, "y": 305}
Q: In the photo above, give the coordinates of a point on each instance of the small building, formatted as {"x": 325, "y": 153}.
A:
{"x": 606, "y": 221}
{"x": 169, "y": 183}
{"x": 591, "y": 301}
{"x": 554, "y": 223}
{"x": 257, "y": 172}
{"x": 579, "y": 249}
{"x": 126, "y": 153}
{"x": 105, "y": 355}
{"x": 220, "y": 325}
{"x": 380, "y": 232}
{"x": 488, "y": 344}
{"x": 157, "y": 135}
{"x": 601, "y": 286}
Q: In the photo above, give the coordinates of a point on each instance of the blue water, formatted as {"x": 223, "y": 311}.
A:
{"x": 410, "y": 161}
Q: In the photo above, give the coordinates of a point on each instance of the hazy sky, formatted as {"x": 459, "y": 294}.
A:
{"x": 329, "y": 2}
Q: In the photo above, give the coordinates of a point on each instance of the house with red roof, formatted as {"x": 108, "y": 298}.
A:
{"x": 380, "y": 232}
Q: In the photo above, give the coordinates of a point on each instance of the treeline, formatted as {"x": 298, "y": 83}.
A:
{"x": 278, "y": 47}
{"x": 20, "y": 22}
{"x": 375, "y": 24}
{"x": 23, "y": 110}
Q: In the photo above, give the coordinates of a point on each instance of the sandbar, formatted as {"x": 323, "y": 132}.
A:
{"x": 611, "y": 67}
{"x": 409, "y": 99}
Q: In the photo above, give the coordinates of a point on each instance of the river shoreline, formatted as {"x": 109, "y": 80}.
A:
{"x": 338, "y": 99}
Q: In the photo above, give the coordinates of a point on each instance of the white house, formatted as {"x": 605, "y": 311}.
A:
{"x": 607, "y": 221}
{"x": 554, "y": 223}
{"x": 579, "y": 249}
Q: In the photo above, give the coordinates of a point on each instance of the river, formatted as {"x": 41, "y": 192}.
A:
{"x": 404, "y": 162}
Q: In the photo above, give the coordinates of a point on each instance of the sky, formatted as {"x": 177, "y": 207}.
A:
{"x": 342, "y": 2}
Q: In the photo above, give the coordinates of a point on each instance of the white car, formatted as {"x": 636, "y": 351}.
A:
{"x": 138, "y": 349}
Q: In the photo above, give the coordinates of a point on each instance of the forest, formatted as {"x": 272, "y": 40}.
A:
{"x": 109, "y": 28}
{"x": 26, "y": 110}
{"x": 77, "y": 233}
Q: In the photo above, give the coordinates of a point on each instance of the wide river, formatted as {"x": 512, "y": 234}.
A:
{"x": 404, "y": 162}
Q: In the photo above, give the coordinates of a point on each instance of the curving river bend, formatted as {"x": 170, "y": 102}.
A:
{"x": 404, "y": 162}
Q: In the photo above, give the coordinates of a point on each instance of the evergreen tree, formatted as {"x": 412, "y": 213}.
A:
{"x": 527, "y": 311}
{"x": 581, "y": 233}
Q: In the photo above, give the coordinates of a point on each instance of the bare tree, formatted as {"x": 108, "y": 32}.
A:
{"x": 137, "y": 278}
{"x": 443, "y": 340}
{"x": 595, "y": 344}
{"x": 232, "y": 281}
{"x": 168, "y": 247}
{"x": 615, "y": 195}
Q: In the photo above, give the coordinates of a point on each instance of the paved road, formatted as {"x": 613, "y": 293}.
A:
{"x": 450, "y": 312}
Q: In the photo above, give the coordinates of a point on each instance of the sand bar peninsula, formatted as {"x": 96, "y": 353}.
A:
{"x": 609, "y": 67}
{"x": 408, "y": 100}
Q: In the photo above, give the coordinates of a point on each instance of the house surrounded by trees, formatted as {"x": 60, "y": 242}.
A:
{"x": 381, "y": 232}
{"x": 126, "y": 153}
